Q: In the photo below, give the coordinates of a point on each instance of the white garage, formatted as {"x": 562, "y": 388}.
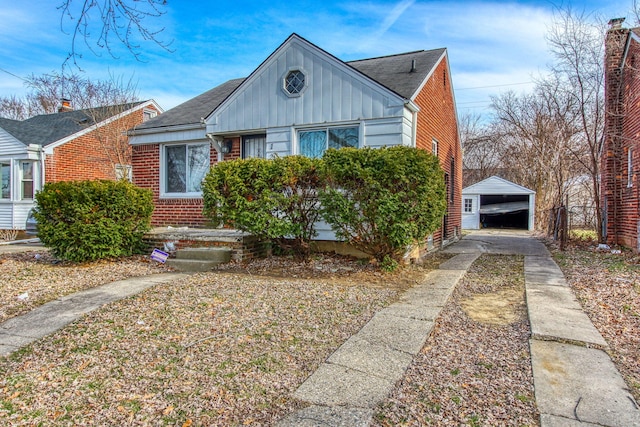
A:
{"x": 498, "y": 203}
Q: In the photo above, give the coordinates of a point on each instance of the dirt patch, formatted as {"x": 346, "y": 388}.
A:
{"x": 496, "y": 308}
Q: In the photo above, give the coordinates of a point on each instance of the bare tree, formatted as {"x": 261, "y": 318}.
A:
{"x": 44, "y": 93}
{"x": 481, "y": 155}
{"x": 101, "y": 23}
{"x": 577, "y": 46}
{"x": 96, "y": 101}
{"x": 535, "y": 133}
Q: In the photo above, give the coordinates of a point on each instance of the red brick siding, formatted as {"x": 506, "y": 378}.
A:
{"x": 622, "y": 133}
{"x": 92, "y": 155}
{"x": 437, "y": 120}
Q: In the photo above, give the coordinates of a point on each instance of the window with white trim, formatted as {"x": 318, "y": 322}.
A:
{"x": 5, "y": 176}
{"x": 148, "y": 114}
{"x": 184, "y": 166}
{"x": 468, "y": 205}
{"x": 314, "y": 142}
{"x": 434, "y": 146}
{"x": 27, "y": 182}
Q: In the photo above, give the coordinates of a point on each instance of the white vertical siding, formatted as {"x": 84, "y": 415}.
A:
{"x": 334, "y": 93}
{"x": 408, "y": 127}
{"x": 380, "y": 133}
{"x": 279, "y": 142}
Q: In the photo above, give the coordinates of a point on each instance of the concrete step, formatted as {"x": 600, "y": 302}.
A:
{"x": 191, "y": 265}
{"x": 219, "y": 255}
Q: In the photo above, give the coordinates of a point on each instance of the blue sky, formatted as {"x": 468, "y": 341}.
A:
{"x": 492, "y": 46}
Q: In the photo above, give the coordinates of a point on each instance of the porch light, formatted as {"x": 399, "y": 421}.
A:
{"x": 227, "y": 146}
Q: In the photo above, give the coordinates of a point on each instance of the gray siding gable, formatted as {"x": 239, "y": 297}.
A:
{"x": 335, "y": 93}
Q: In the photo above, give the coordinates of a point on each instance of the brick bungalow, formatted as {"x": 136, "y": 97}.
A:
{"x": 301, "y": 100}
{"x": 65, "y": 146}
{"x": 621, "y": 152}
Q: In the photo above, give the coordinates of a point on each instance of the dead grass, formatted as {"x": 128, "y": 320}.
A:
{"x": 31, "y": 279}
{"x": 222, "y": 348}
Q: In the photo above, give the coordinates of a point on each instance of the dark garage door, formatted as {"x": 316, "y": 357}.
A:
{"x": 505, "y": 211}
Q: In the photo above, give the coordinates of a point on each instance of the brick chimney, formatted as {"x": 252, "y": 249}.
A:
{"x": 65, "y": 105}
{"x": 612, "y": 155}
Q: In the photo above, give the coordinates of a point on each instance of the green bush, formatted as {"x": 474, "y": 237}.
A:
{"x": 383, "y": 200}
{"x": 88, "y": 220}
{"x": 272, "y": 199}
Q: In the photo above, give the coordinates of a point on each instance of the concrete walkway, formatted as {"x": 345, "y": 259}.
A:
{"x": 20, "y": 331}
{"x": 576, "y": 383}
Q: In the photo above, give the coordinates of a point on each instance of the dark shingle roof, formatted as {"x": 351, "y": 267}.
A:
{"x": 394, "y": 72}
{"x": 49, "y": 128}
{"x": 193, "y": 110}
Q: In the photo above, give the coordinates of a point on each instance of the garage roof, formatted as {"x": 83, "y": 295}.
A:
{"x": 496, "y": 185}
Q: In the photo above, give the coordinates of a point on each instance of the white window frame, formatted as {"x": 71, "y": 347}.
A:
{"x": 469, "y": 206}
{"x": 434, "y": 146}
{"x": 284, "y": 82}
{"x": 164, "y": 194}
{"x": 326, "y": 130}
{"x": 22, "y": 179}
{"x": 7, "y": 163}
{"x": 148, "y": 114}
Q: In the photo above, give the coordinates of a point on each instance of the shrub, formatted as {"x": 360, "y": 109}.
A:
{"x": 383, "y": 200}
{"x": 88, "y": 220}
{"x": 271, "y": 199}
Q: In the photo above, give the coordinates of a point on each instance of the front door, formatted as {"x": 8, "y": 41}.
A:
{"x": 254, "y": 146}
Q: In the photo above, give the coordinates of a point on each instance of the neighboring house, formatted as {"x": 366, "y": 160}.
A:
{"x": 301, "y": 100}
{"x": 65, "y": 146}
{"x": 621, "y": 151}
{"x": 498, "y": 203}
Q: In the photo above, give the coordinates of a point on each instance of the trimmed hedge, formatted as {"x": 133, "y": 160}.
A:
{"x": 271, "y": 199}
{"x": 383, "y": 200}
{"x": 379, "y": 200}
{"x": 89, "y": 220}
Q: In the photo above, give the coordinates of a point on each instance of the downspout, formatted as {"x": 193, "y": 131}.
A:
{"x": 216, "y": 143}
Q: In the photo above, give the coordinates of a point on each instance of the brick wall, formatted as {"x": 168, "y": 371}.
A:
{"x": 437, "y": 120}
{"x": 621, "y": 191}
{"x": 93, "y": 155}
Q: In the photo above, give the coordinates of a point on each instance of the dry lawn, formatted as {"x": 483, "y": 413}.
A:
{"x": 221, "y": 348}
{"x": 33, "y": 278}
